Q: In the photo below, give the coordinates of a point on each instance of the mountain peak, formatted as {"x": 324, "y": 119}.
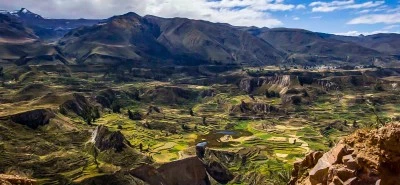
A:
{"x": 24, "y": 10}
{"x": 25, "y": 13}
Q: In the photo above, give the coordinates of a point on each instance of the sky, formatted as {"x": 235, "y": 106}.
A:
{"x": 344, "y": 17}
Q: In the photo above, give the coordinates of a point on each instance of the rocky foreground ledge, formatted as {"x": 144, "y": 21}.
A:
{"x": 14, "y": 179}
{"x": 363, "y": 158}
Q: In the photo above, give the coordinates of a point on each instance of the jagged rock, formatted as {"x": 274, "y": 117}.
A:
{"x": 207, "y": 93}
{"x": 218, "y": 171}
{"x": 14, "y": 179}
{"x": 34, "y": 118}
{"x": 254, "y": 108}
{"x": 104, "y": 139}
{"x": 153, "y": 109}
{"x": 279, "y": 82}
{"x": 365, "y": 157}
{"x": 106, "y": 98}
{"x": 148, "y": 174}
{"x": 117, "y": 178}
{"x": 295, "y": 96}
{"x": 181, "y": 172}
{"x": 135, "y": 115}
{"x": 227, "y": 159}
{"x": 80, "y": 106}
{"x": 169, "y": 95}
{"x": 192, "y": 170}
{"x": 308, "y": 162}
{"x": 186, "y": 171}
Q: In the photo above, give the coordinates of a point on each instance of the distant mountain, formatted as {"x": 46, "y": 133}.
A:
{"x": 19, "y": 44}
{"x": 48, "y": 29}
{"x": 25, "y": 14}
{"x": 184, "y": 41}
{"x": 213, "y": 42}
{"x": 121, "y": 38}
{"x": 12, "y": 30}
{"x": 133, "y": 39}
{"x": 388, "y": 43}
{"x": 303, "y": 46}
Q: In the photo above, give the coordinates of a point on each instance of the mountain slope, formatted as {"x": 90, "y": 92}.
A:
{"x": 126, "y": 37}
{"x": 213, "y": 42}
{"x": 305, "y": 46}
{"x": 20, "y": 45}
{"x": 388, "y": 43}
{"x": 48, "y": 29}
{"x": 133, "y": 38}
{"x": 13, "y": 31}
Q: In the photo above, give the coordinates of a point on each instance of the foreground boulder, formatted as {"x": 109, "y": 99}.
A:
{"x": 14, "y": 179}
{"x": 117, "y": 178}
{"x": 181, "y": 172}
{"x": 104, "y": 139}
{"x": 188, "y": 171}
{"x": 366, "y": 157}
{"x": 34, "y": 118}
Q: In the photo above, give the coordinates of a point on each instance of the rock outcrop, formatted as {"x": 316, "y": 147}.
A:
{"x": 216, "y": 168}
{"x": 117, "y": 178}
{"x": 279, "y": 83}
{"x": 106, "y": 98}
{"x": 366, "y": 157}
{"x": 254, "y": 108}
{"x": 15, "y": 180}
{"x": 81, "y": 107}
{"x": 34, "y": 118}
{"x": 104, "y": 139}
{"x": 182, "y": 172}
{"x": 191, "y": 170}
{"x": 169, "y": 95}
{"x": 295, "y": 96}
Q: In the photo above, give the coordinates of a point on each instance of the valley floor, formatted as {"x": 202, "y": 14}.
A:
{"x": 234, "y": 113}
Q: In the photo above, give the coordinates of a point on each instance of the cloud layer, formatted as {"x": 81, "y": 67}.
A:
{"x": 236, "y": 12}
{"x": 320, "y": 6}
{"x": 317, "y": 15}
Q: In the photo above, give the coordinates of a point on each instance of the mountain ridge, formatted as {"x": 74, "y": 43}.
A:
{"x": 131, "y": 37}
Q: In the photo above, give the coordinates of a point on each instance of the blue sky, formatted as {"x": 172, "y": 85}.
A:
{"x": 347, "y": 17}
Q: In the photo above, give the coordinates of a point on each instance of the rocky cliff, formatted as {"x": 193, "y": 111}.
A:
{"x": 34, "y": 118}
{"x": 280, "y": 83}
{"x": 14, "y": 179}
{"x": 365, "y": 157}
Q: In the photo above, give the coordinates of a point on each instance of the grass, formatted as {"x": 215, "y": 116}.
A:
{"x": 65, "y": 141}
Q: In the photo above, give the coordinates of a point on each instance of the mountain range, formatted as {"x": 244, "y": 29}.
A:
{"x": 132, "y": 38}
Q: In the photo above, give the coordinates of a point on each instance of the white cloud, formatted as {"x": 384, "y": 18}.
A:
{"x": 376, "y": 18}
{"x": 296, "y": 18}
{"x": 259, "y": 5}
{"x": 316, "y": 17}
{"x": 300, "y": 6}
{"x": 364, "y": 11}
{"x": 320, "y": 6}
{"x": 390, "y": 27}
{"x": 236, "y": 12}
{"x": 357, "y": 33}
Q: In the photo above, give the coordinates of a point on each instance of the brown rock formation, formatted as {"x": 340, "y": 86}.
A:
{"x": 254, "y": 108}
{"x": 192, "y": 170}
{"x": 15, "y": 180}
{"x": 34, "y": 118}
{"x": 279, "y": 82}
{"x": 104, "y": 139}
{"x": 366, "y": 157}
{"x": 182, "y": 172}
{"x": 80, "y": 106}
